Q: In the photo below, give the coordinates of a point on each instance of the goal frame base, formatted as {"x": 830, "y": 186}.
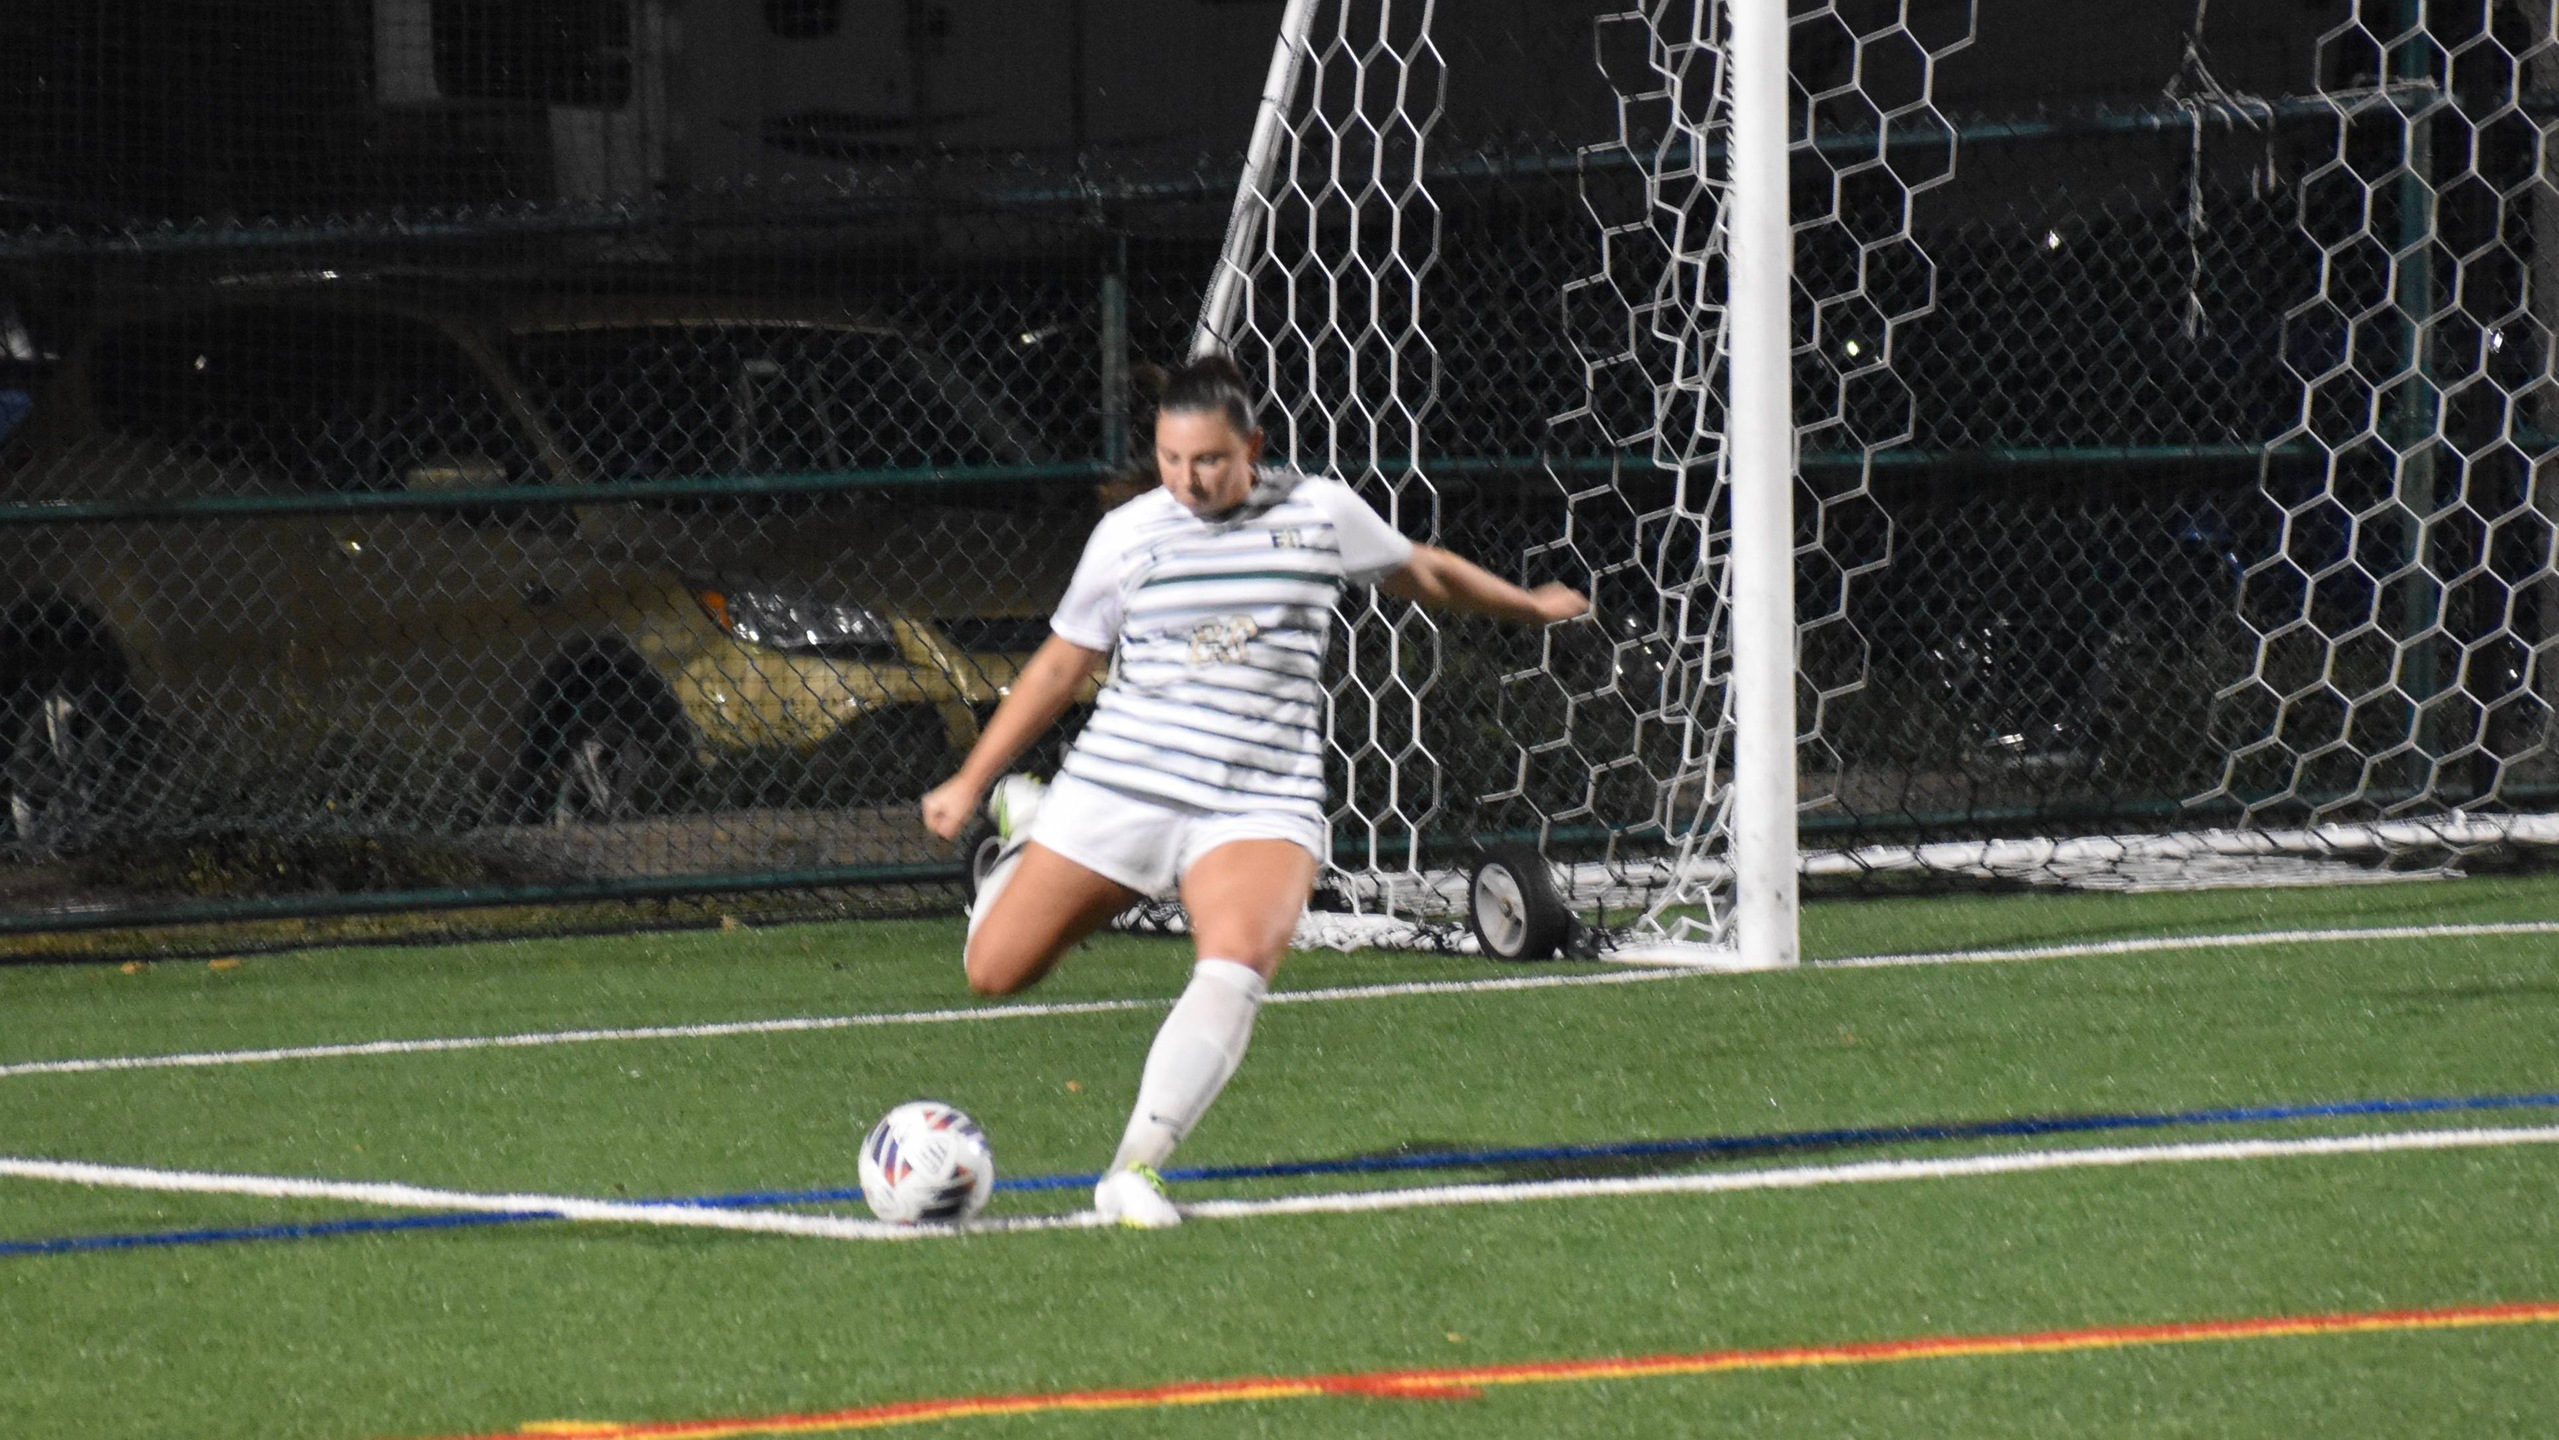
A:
{"x": 1655, "y": 952}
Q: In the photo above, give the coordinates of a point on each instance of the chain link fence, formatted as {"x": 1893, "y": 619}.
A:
{"x": 407, "y": 556}
{"x": 335, "y": 572}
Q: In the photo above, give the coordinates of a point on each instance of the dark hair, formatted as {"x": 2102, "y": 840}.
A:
{"x": 1213, "y": 383}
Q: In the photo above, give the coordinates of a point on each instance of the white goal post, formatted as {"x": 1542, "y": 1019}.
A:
{"x": 1760, "y": 367}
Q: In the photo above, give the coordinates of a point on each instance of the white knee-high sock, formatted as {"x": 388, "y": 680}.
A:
{"x": 1201, "y": 1043}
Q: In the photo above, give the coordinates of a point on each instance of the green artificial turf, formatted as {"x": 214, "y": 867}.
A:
{"x": 482, "y": 1329}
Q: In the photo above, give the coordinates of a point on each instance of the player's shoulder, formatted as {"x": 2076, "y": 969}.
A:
{"x": 1152, "y": 511}
{"x": 1274, "y": 483}
{"x": 1275, "y": 488}
{"x": 1337, "y": 501}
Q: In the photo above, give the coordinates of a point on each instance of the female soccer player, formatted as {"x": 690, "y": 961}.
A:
{"x": 1201, "y": 771}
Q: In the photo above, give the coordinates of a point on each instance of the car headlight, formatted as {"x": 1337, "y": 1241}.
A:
{"x": 783, "y": 622}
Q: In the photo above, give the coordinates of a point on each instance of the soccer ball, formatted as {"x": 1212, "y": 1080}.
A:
{"x": 926, "y": 1163}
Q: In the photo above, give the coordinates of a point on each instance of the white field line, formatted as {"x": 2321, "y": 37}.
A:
{"x": 419, "y": 1197}
{"x": 536, "y": 1039}
{"x": 1872, "y": 1172}
{"x": 789, "y": 1025}
{"x": 2087, "y": 949}
{"x": 774, "y": 1222}
{"x": 795, "y": 1024}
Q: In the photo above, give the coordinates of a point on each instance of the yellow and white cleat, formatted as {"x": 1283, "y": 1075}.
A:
{"x": 1135, "y": 1197}
{"x": 1013, "y": 803}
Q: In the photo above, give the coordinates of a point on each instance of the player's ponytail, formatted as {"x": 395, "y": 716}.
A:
{"x": 1212, "y": 384}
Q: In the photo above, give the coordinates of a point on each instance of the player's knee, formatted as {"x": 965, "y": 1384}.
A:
{"x": 992, "y": 972}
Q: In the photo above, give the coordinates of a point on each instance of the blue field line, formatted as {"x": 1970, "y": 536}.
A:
{"x": 1376, "y": 1164}
{"x": 161, "y": 1238}
{"x": 452, "y": 1220}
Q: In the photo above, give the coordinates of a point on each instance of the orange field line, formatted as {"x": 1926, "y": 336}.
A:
{"x": 1468, "y": 1382}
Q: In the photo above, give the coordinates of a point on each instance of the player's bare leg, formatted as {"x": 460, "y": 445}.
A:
{"x": 1244, "y": 899}
{"x": 1048, "y": 905}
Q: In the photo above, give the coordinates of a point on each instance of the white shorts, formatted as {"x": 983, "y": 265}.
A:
{"x": 1148, "y": 844}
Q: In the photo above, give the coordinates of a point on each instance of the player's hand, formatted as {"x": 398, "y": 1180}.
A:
{"x": 1556, "y": 603}
{"x": 948, "y": 806}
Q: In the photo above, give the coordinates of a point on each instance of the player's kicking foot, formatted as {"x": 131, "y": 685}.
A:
{"x": 1012, "y": 803}
{"x": 1135, "y": 1197}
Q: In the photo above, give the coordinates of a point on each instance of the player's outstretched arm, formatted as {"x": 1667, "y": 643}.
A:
{"x": 1040, "y": 694}
{"x": 1444, "y": 580}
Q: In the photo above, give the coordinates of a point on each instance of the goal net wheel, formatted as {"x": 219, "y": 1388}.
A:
{"x": 1513, "y": 907}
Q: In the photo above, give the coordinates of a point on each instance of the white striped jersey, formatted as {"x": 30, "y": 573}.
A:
{"x": 1216, "y": 697}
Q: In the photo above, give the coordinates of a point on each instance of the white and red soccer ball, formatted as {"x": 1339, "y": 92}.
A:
{"x": 926, "y": 1163}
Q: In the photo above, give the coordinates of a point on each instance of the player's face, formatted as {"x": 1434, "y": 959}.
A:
{"x": 1205, "y": 461}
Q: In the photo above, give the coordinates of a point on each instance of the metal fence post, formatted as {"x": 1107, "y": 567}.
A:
{"x": 1114, "y": 358}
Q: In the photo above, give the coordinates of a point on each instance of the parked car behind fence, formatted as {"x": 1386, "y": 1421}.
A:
{"x": 450, "y": 564}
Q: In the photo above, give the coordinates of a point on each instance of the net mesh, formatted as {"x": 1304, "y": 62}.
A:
{"x": 2394, "y": 632}
{"x": 1622, "y": 729}
{"x": 1869, "y": 140}
{"x": 1332, "y": 319}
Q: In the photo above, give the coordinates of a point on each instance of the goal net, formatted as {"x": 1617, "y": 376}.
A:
{"x": 2167, "y": 498}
